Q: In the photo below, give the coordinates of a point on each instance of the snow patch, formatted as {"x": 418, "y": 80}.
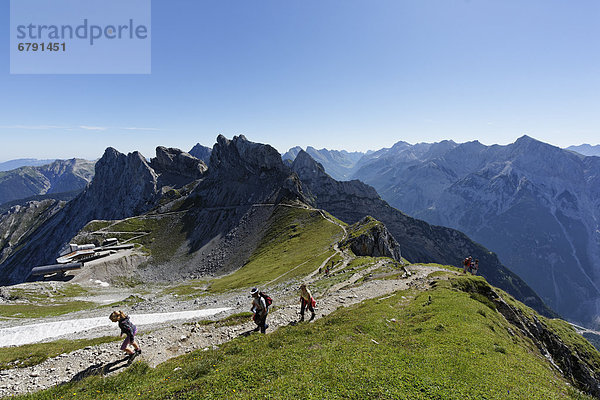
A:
{"x": 20, "y": 335}
{"x": 99, "y": 282}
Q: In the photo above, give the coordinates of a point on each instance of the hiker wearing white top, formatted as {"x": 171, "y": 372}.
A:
{"x": 260, "y": 309}
{"x": 306, "y": 300}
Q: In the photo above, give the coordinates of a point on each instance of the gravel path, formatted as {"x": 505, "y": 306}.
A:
{"x": 177, "y": 338}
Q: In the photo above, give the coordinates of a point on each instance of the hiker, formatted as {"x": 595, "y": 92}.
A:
{"x": 475, "y": 267}
{"x": 467, "y": 264}
{"x": 260, "y": 308}
{"x": 306, "y": 300}
{"x": 327, "y": 271}
{"x": 128, "y": 329}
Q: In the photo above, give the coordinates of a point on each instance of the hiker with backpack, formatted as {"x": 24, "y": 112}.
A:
{"x": 475, "y": 267}
{"x": 467, "y": 264}
{"x": 260, "y": 308}
{"x": 128, "y": 329}
{"x": 306, "y": 300}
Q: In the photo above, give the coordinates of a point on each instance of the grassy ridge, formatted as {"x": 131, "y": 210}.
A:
{"x": 436, "y": 344}
{"x": 294, "y": 237}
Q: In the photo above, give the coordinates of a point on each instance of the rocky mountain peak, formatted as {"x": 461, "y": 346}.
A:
{"x": 306, "y": 166}
{"x": 124, "y": 183}
{"x": 201, "y": 152}
{"x": 239, "y": 157}
{"x": 177, "y": 162}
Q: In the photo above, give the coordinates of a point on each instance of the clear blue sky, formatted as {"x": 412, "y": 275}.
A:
{"x": 328, "y": 73}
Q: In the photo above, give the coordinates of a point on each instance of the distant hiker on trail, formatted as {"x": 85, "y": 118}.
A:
{"x": 306, "y": 299}
{"x": 260, "y": 308}
{"x": 467, "y": 264}
{"x": 128, "y": 329}
{"x": 475, "y": 267}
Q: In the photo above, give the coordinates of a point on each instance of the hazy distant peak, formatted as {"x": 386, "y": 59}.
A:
{"x": 23, "y": 162}
{"x": 525, "y": 139}
{"x": 586, "y": 149}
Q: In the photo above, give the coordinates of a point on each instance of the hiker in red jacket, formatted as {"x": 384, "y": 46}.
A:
{"x": 467, "y": 264}
{"x": 306, "y": 300}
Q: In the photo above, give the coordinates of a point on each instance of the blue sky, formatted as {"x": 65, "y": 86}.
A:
{"x": 339, "y": 74}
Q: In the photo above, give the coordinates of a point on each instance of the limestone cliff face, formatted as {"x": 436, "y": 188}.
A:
{"x": 175, "y": 161}
{"x": 124, "y": 185}
{"x": 369, "y": 237}
{"x": 420, "y": 242}
{"x": 242, "y": 173}
{"x": 176, "y": 168}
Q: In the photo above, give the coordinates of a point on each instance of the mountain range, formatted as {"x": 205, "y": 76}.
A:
{"x": 586, "y": 149}
{"x": 23, "y": 162}
{"x": 59, "y": 176}
{"x": 536, "y": 205}
{"x": 338, "y": 164}
{"x": 195, "y": 220}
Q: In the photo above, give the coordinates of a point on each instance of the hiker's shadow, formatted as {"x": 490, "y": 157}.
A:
{"x": 101, "y": 369}
{"x": 251, "y": 331}
{"x": 247, "y": 333}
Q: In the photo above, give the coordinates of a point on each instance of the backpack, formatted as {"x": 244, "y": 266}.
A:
{"x": 268, "y": 299}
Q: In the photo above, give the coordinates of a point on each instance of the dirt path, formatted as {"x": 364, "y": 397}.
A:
{"x": 180, "y": 338}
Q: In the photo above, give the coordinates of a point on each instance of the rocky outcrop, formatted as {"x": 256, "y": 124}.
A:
{"x": 420, "y": 242}
{"x": 201, "y": 153}
{"x": 242, "y": 173}
{"x": 369, "y": 237}
{"x": 239, "y": 158}
{"x": 176, "y": 167}
{"x": 56, "y": 177}
{"x": 124, "y": 185}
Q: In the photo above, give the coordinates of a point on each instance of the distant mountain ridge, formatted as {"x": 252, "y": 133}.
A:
{"x": 23, "y": 162}
{"x": 338, "y": 163}
{"x": 536, "y": 205}
{"x": 57, "y": 177}
{"x": 420, "y": 242}
{"x": 586, "y": 149}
